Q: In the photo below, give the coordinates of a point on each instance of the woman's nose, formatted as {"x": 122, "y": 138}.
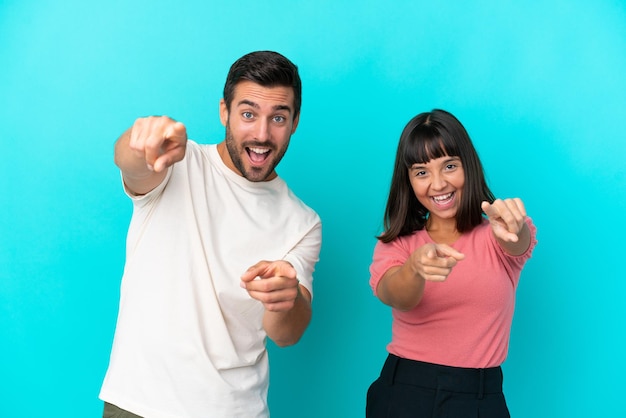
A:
{"x": 438, "y": 182}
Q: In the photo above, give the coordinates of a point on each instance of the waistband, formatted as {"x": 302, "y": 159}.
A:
{"x": 436, "y": 376}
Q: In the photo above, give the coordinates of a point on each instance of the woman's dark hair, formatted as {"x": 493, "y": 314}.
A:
{"x": 428, "y": 136}
{"x": 268, "y": 69}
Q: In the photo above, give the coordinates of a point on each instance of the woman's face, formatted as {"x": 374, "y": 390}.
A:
{"x": 438, "y": 185}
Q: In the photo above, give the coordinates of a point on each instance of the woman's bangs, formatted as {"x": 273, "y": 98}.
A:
{"x": 423, "y": 148}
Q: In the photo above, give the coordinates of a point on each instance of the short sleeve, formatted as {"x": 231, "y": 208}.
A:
{"x": 305, "y": 256}
{"x": 387, "y": 255}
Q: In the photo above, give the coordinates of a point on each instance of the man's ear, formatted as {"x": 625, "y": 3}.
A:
{"x": 223, "y": 112}
{"x": 296, "y": 120}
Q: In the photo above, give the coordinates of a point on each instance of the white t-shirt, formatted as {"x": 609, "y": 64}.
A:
{"x": 189, "y": 341}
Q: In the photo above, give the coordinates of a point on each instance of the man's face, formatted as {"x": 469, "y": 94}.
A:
{"x": 258, "y": 125}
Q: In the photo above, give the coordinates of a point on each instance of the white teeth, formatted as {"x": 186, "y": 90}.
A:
{"x": 442, "y": 197}
{"x": 259, "y": 150}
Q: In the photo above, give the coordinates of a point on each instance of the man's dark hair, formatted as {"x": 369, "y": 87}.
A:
{"x": 268, "y": 69}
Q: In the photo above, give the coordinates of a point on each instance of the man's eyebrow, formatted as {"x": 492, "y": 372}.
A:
{"x": 256, "y": 106}
{"x": 249, "y": 103}
{"x": 283, "y": 107}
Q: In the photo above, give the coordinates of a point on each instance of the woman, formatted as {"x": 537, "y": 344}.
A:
{"x": 448, "y": 263}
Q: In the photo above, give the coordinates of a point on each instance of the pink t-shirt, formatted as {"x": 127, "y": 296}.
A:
{"x": 464, "y": 321}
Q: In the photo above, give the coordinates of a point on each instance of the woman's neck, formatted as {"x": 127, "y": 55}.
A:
{"x": 442, "y": 231}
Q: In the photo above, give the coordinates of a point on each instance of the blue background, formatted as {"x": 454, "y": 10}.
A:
{"x": 539, "y": 85}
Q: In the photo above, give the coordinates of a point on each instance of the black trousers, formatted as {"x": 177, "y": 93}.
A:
{"x": 112, "y": 411}
{"x": 414, "y": 389}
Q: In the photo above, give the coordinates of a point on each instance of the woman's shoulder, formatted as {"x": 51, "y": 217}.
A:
{"x": 408, "y": 242}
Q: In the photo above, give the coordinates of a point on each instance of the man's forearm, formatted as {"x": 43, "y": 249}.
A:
{"x": 286, "y": 328}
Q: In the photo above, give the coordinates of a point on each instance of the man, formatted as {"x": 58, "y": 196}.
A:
{"x": 220, "y": 255}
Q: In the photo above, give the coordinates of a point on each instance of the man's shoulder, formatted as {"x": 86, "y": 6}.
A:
{"x": 303, "y": 208}
{"x": 195, "y": 146}
{"x": 199, "y": 154}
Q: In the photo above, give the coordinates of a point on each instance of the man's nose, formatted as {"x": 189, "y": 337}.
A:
{"x": 262, "y": 130}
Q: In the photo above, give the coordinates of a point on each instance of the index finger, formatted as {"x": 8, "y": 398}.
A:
{"x": 254, "y": 271}
{"x": 489, "y": 209}
{"x": 172, "y": 149}
{"x": 161, "y": 131}
{"x": 177, "y": 130}
{"x": 444, "y": 250}
{"x": 154, "y": 132}
{"x": 518, "y": 205}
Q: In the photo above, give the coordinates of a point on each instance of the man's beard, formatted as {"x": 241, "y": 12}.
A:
{"x": 254, "y": 174}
